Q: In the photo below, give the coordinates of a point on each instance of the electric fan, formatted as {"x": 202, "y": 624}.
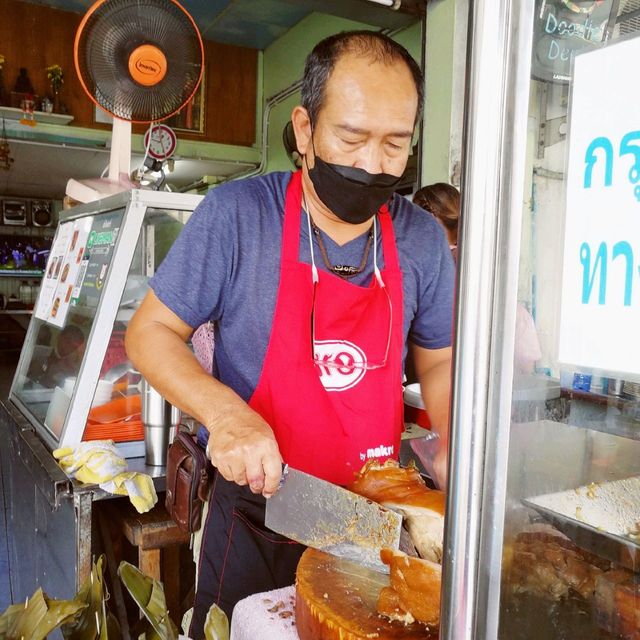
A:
{"x": 140, "y": 61}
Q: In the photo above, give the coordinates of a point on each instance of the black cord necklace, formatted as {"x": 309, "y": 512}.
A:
{"x": 345, "y": 271}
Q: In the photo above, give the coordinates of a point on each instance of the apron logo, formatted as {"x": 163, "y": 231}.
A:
{"x": 377, "y": 452}
{"x": 340, "y": 364}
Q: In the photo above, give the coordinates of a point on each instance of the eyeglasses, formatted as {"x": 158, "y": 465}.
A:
{"x": 346, "y": 361}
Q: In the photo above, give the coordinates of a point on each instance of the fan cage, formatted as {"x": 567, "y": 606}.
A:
{"x": 112, "y": 30}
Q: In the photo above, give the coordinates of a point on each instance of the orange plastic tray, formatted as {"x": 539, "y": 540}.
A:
{"x": 116, "y": 410}
{"x": 116, "y": 431}
{"x": 117, "y": 420}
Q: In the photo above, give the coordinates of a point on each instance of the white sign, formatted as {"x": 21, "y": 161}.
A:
{"x": 600, "y": 310}
{"x": 51, "y": 277}
{"x": 62, "y": 272}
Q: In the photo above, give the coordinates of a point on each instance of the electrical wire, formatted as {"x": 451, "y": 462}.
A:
{"x": 160, "y": 183}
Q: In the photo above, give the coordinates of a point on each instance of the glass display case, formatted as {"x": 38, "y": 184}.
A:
{"x": 571, "y": 559}
{"x": 543, "y": 520}
{"x": 74, "y": 381}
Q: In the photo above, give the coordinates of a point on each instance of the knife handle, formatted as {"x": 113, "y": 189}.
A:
{"x": 283, "y": 477}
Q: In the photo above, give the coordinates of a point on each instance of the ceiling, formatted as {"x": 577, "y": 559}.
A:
{"x": 258, "y": 23}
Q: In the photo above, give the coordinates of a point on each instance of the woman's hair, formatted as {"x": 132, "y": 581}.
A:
{"x": 443, "y": 201}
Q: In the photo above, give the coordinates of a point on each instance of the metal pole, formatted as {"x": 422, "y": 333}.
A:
{"x": 499, "y": 53}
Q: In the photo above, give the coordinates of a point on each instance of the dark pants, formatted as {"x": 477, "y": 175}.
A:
{"x": 239, "y": 555}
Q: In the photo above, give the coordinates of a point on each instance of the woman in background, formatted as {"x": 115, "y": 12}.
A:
{"x": 442, "y": 200}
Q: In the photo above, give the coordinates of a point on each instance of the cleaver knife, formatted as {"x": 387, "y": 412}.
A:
{"x": 327, "y": 517}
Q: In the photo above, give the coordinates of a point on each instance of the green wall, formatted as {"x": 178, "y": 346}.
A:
{"x": 439, "y": 72}
{"x": 284, "y": 64}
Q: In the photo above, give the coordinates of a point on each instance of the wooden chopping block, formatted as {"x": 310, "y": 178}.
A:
{"x": 336, "y": 599}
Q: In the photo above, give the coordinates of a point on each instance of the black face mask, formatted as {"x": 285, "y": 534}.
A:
{"x": 354, "y": 195}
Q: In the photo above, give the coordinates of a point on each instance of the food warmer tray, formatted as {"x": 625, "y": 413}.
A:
{"x": 602, "y": 518}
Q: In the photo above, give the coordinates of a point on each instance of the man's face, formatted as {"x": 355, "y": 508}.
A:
{"x": 367, "y": 119}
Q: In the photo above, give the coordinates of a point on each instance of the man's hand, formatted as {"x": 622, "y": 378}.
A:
{"x": 244, "y": 450}
{"x": 441, "y": 468}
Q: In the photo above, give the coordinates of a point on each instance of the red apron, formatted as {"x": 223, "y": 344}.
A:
{"x": 331, "y": 416}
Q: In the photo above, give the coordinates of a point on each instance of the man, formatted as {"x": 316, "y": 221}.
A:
{"x": 314, "y": 282}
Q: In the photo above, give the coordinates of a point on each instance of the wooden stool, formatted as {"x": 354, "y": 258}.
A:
{"x": 152, "y": 533}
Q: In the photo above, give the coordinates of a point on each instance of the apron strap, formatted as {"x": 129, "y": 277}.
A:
{"x": 389, "y": 250}
{"x": 291, "y": 228}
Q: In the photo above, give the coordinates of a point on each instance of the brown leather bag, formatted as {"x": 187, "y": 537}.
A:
{"x": 188, "y": 479}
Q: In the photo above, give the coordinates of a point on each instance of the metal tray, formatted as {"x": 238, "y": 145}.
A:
{"x": 598, "y": 518}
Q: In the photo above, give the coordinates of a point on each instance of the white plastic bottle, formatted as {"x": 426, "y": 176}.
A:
{"x": 24, "y": 293}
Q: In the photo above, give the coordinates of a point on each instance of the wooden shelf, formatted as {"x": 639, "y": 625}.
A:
{"x": 11, "y": 113}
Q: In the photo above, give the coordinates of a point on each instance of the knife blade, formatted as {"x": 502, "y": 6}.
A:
{"x": 327, "y": 517}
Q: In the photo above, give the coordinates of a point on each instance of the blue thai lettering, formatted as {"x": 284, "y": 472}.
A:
{"x": 590, "y": 159}
{"x": 626, "y": 147}
{"x": 623, "y": 248}
{"x": 589, "y": 275}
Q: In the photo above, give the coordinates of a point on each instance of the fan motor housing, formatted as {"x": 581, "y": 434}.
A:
{"x": 147, "y": 65}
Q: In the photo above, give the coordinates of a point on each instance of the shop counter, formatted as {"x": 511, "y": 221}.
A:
{"x": 52, "y": 520}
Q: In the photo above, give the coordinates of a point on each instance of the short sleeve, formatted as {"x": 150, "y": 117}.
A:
{"x": 432, "y": 326}
{"x": 192, "y": 279}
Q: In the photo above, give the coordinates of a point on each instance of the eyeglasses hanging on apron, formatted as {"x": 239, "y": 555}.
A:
{"x": 345, "y": 361}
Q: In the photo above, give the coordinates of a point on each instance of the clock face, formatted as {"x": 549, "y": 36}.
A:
{"x": 162, "y": 143}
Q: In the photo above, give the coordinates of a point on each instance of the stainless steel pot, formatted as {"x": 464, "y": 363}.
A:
{"x": 161, "y": 420}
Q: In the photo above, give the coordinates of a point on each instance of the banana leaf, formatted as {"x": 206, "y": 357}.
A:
{"x": 8, "y": 617}
{"x": 216, "y": 626}
{"x": 39, "y": 616}
{"x": 94, "y": 616}
{"x": 111, "y": 629}
{"x": 149, "y": 596}
{"x": 59, "y": 612}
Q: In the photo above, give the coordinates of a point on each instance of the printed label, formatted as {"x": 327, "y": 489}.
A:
{"x": 340, "y": 364}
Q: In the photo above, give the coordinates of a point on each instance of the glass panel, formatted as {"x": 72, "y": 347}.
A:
{"x": 70, "y": 293}
{"x": 117, "y": 396}
{"x": 66, "y": 314}
{"x": 571, "y": 566}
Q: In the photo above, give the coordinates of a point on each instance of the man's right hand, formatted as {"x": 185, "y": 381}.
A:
{"x": 244, "y": 450}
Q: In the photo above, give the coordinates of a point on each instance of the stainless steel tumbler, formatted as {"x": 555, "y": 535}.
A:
{"x": 161, "y": 420}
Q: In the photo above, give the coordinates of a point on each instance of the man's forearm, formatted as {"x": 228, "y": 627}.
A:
{"x": 168, "y": 364}
{"x": 435, "y": 386}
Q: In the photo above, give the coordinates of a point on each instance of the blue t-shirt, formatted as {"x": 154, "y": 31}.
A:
{"x": 225, "y": 267}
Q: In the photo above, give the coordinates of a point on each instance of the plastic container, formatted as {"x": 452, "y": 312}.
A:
{"x": 414, "y": 410}
{"x": 25, "y": 292}
{"x": 102, "y": 395}
{"x": 582, "y": 381}
{"x": 614, "y": 386}
{"x": 597, "y": 384}
{"x": 566, "y": 379}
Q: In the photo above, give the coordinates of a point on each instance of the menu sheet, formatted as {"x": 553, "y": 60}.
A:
{"x": 60, "y": 274}
{"x": 76, "y": 271}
